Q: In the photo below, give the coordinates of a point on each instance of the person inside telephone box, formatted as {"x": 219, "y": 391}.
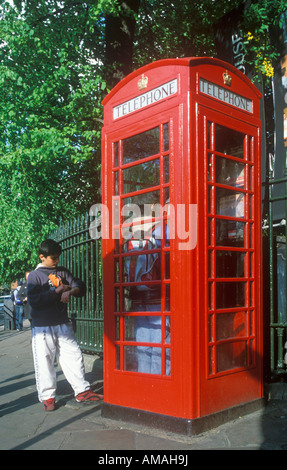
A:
{"x": 143, "y": 267}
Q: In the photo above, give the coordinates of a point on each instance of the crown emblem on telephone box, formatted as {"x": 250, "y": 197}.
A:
{"x": 227, "y": 78}
{"x": 142, "y": 83}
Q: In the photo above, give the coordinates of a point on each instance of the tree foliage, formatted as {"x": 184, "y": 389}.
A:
{"x": 58, "y": 59}
{"x": 50, "y": 91}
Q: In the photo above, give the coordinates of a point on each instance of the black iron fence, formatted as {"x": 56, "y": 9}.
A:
{"x": 276, "y": 273}
{"x": 83, "y": 257}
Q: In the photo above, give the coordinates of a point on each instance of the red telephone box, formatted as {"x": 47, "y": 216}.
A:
{"x": 181, "y": 209}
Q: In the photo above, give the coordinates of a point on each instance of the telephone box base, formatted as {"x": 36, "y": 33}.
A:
{"x": 188, "y": 427}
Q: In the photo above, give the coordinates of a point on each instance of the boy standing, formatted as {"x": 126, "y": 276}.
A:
{"x": 49, "y": 289}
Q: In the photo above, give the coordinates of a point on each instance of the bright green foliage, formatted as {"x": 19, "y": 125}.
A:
{"x": 261, "y": 31}
{"x": 50, "y": 122}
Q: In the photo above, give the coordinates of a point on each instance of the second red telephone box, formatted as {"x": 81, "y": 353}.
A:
{"x": 181, "y": 209}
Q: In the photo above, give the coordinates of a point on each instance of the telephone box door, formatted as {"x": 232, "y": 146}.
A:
{"x": 231, "y": 367}
{"x": 143, "y": 334}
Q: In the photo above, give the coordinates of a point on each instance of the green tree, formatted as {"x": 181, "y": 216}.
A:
{"x": 50, "y": 121}
{"x": 181, "y": 28}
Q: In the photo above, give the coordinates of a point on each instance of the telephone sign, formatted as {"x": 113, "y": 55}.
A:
{"x": 220, "y": 93}
{"x": 145, "y": 99}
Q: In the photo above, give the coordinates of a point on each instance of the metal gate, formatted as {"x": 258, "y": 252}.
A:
{"x": 276, "y": 315}
{"x": 83, "y": 257}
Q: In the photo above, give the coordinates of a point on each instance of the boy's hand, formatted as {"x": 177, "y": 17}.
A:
{"x": 62, "y": 288}
{"x": 65, "y": 298}
{"x": 67, "y": 294}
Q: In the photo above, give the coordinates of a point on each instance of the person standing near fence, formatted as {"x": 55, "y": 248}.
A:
{"x": 49, "y": 289}
{"x": 23, "y": 297}
{"x": 18, "y": 306}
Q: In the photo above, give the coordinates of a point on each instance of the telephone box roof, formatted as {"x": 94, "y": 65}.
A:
{"x": 185, "y": 62}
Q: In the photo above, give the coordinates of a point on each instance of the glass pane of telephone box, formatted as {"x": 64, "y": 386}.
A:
{"x": 229, "y": 233}
{"x": 134, "y": 206}
{"x": 142, "y": 328}
{"x": 144, "y": 359}
{"x": 142, "y": 298}
{"x": 116, "y": 183}
{"x": 231, "y": 355}
{"x": 231, "y": 325}
{"x": 130, "y": 358}
{"x": 230, "y": 203}
{"x": 166, "y": 136}
{"x": 142, "y": 265}
{"x": 229, "y": 172}
{"x": 166, "y": 168}
{"x": 230, "y": 264}
{"x": 141, "y": 176}
{"x": 116, "y": 154}
{"x": 229, "y": 141}
{"x": 167, "y": 297}
{"x": 141, "y": 145}
{"x": 167, "y": 361}
{"x": 230, "y": 294}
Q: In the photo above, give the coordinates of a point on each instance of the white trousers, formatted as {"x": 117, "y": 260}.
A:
{"x": 49, "y": 341}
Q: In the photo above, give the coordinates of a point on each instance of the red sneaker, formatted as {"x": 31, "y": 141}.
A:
{"x": 49, "y": 405}
{"x": 88, "y": 396}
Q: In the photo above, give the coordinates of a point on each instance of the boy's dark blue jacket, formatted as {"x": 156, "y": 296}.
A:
{"x": 47, "y": 309}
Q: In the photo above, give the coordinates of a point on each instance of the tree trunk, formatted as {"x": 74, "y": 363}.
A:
{"x": 119, "y": 41}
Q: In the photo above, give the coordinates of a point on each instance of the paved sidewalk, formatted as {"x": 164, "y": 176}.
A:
{"x": 24, "y": 424}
